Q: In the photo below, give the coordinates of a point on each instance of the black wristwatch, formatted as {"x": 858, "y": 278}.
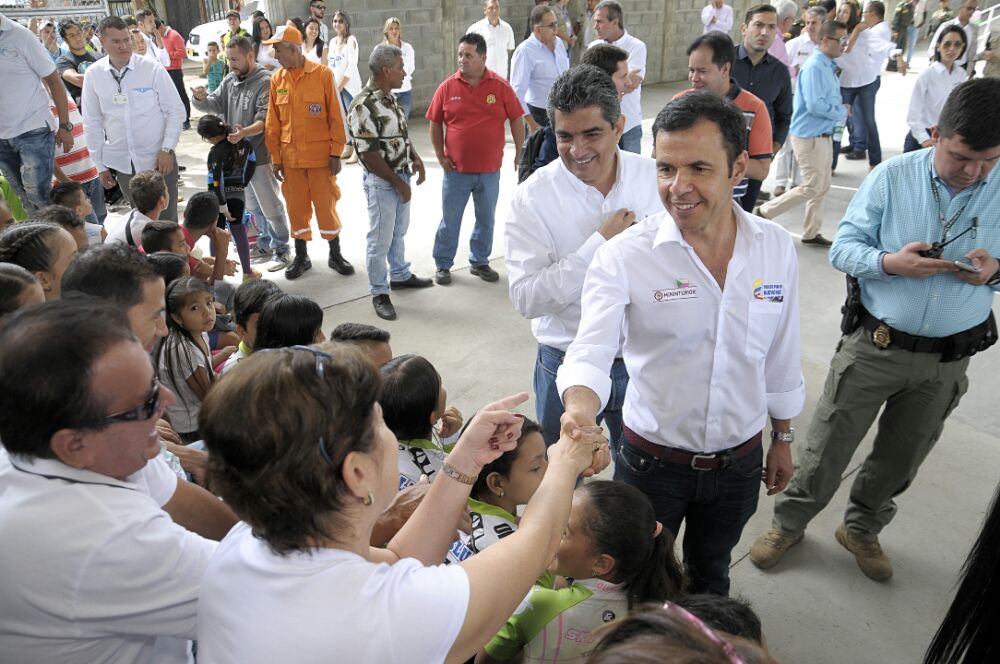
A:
{"x": 66, "y": 126}
{"x": 995, "y": 279}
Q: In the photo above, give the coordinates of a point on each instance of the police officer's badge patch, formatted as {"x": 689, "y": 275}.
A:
{"x": 315, "y": 109}
{"x": 491, "y": 99}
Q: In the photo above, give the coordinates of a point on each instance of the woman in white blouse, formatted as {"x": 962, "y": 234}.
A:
{"x": 297, "y": 581}
{"x": 312, "y": 43}
{"x": 393, "y": 32}
{"x": 262, "y": 30}
{"x": 343, "y": 61}
{"x": 933, "y": 87}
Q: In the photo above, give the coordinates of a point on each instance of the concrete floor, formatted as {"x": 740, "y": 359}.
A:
{"x": 816, "y": 606}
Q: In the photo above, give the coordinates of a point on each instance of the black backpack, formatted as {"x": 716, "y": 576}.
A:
{"x": 532, "y": 148}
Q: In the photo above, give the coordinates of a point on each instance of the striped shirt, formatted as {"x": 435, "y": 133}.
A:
{"x": 77, "y": 164}
{"x": 895, "y": 206}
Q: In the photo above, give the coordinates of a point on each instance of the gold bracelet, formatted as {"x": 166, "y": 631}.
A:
{"x": 448, "y": 470}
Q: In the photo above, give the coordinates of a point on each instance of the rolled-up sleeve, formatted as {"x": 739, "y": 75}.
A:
{"x": 605, "y": 296}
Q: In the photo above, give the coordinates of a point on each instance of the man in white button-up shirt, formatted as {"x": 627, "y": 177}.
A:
{"x": 706, "y": 297}
{"x": 499, "y": 37}
{"x": 132, "y": 114}
{"x": 99, "y": 572}
{"x": 561, "y": 216}
{"x": 536, "y": 64}
{"x": 609, "y": 24}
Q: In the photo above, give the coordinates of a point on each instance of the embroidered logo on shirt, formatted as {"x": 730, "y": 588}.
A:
{"x": 141, "y": 89}
{"x": 314, "y": 109}
{"x": 682, "y": 290}
{"x": 768, "y": 292}
{"x": 455, "y": 98}
{"x": 608, "y": 616}
{"x": 281, "y": 91}
{"x": 491, "y": 99}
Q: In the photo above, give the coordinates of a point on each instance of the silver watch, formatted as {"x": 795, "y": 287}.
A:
{"x": 166, "y": 150}
{"x": 784, "y": 436}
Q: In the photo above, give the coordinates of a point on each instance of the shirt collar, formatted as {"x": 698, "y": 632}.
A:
{"x": 741, "y": 54}
{"x": 480, "y": 507}
{"x": 309, "y": 66}
{"x": 5, "y": 23}
{"x": 487, "y": 75}
{"x": 582, "y": 187}
{"x": 620, "y": 39}
{"x": 245, "y": 348}
{"x": 55, "y": 469}
{"x": 746, "y": 226}
{"x": 734, "y": 89}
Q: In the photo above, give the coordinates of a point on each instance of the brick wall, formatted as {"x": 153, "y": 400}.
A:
{"x": 434, "y": 26}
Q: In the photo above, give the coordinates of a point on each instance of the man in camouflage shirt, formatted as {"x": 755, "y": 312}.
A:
{"x": 378, "y": 128}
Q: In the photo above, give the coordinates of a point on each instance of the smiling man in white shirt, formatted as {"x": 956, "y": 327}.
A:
{"x": 561, "y": 216}
{"x": 706, "y": 297}
{"x": 132, "y": 114}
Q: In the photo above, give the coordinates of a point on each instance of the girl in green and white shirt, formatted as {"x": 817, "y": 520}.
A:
{"x": 618, "y": 556}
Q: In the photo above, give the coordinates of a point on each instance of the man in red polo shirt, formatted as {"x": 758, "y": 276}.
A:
{"x": 174, "y": 43}
{"x": 467, "y": 117}
{"x": 710, "y": 63}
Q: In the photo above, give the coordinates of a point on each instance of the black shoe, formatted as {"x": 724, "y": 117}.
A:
{"x": 763, "y": 196}
{"x": 186, "y": 125}
{"x": 855, "y": 156}
{"x": 846, "y": 149}
{"x": 442, "y": 277}
{"x": 383, "y": 307}
{"x": 337, "y": 261}
{"x": 818, "y": 241}
{"x": 298, "y": 266}
{"x": 181, "y": 168}
{"x": 413, "y": 282}
{"x": 484, "y": 272}
{"x": 340, "y": 264}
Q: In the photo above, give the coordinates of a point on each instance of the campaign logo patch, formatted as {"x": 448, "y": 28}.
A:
{"x": 683, "y": 289}
{"x": 768, "y": 292}
{"x": 315, "y": 110}
{"x": 491, "y": 98}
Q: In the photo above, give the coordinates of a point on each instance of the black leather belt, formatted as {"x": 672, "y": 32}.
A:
{"x": 884, "y": 336}
{"x": 697, "y": 461}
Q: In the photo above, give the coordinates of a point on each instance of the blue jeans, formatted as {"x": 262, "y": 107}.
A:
{"x": 714, "y": 504}
{"x": 912, "y": 33}
{"x": 549, "y": 406}
{"x": 631, "y": 141}
{"x": 405, "y": 100}
{"x": 388, "y": 218}
{"x": 95, "y": 192}
{"x": 485, "y": 188}
{"x": 345, "y": 101}
{"x": 864, "y": 129}
{"x": 264, "y": 202}
{"x": 27, "y": 162}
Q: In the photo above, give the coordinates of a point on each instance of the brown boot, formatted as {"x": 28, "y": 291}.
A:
{"x": 867, "y": 552}
{"x": 771, "y": 546}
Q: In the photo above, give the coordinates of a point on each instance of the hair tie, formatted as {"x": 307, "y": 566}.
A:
{"x": 657, "y": 530}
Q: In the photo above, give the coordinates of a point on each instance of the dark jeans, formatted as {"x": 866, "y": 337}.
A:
{"x": 177, "y": 76}
{"x": 749, "y": 200}
{"x": 910, "y": 144}
{"x": 714, "y": 504}
{"x": 863, "y": 128}
{"x": 539, "y": 115}
{"x": 549, "y": 407}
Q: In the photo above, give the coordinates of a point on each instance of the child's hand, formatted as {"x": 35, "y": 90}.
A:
{"x": 219, "y": 308}
{"x": 231, "y": 266}
{"x": 451, "y": 422}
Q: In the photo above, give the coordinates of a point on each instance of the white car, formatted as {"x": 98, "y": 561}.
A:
{"x": 200, "y": 36}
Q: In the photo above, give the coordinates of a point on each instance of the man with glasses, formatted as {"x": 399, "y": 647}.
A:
{"x": 917, "y": 241}
{"x": 317, "y": 10}
{"x": 537, "y": 63}
{"x": 817, "y": 111}
{"x": 118, "y": 573}
{"x": 964, "y": 21}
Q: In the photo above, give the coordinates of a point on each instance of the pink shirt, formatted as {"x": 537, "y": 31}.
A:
{"x": 778, "y": 49}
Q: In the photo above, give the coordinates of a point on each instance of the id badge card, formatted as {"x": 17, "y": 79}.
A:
{"x": 120, "y": 98}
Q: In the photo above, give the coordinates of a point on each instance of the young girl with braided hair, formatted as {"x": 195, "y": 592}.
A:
{"x": 43, "y": 249}
{"x": 18, "y": 288}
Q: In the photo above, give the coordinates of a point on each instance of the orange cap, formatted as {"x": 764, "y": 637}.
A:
{"x": 285, "y": 33}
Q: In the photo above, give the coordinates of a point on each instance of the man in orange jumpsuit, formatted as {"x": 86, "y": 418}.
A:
{"x": 304, "y": 132}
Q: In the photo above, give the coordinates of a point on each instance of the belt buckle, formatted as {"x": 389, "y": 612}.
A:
{"x": 881, "y": 337}
{"x": 694, "y": 461}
